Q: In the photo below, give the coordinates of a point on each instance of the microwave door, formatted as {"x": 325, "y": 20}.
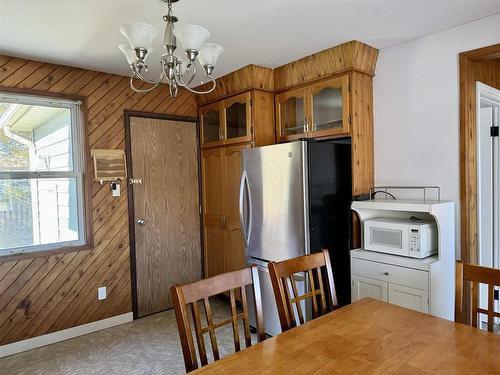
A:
{"x": 386, "y": 239}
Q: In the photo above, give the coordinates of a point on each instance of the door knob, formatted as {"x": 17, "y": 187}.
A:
{"x": 141, "y": 221}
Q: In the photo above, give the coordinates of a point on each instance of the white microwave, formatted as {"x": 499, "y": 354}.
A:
{"x": 407, "y": 237}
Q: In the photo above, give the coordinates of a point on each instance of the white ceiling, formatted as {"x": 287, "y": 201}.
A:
{"x": 85, "y": 33}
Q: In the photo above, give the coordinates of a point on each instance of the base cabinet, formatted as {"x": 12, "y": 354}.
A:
{"x": 411, "y": 298}
{"x": 373, "y": 279}
{"x": 364, "y": 287}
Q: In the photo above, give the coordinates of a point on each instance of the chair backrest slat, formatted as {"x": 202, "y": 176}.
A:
{"x": 234, "y": 321}
{"x": 211, "y": 330}
{"x": 283, "y": 273}
{"x": 313, "y": 291}
{"x": 491, "y": 294}
{"x": 476, "y": 275}
{"x": 291, "y": 279}
{"x": 190, "y": 294}
{"x": 199, "y": 334}
{"x": 322, "y": 290}
{"x": 246, "y": 324}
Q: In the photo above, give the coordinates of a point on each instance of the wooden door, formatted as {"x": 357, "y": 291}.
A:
{"x": 363, "y": 287}
{"x": 291, "y": 115}
{"x": 237, "y": 118}
{"x": 213, "y": 175}
{"x": 328, "y": 107}
{"x": 234, "y": 246}
{"x": 411, "y": 298}
{"x": 166, "y": 209}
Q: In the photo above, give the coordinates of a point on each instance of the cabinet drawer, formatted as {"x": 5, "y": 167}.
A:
{"x": 390, "y": 273}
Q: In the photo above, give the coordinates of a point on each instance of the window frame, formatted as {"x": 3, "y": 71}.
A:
{"x": 80, "y": 167}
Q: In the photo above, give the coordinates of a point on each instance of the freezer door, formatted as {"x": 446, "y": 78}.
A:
{"x": 271, "y": 319}
{"x": 270, "y": 310}
{"x": 273, "y": 201}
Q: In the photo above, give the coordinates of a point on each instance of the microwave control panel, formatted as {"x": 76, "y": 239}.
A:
{"x": 414, "y": 239}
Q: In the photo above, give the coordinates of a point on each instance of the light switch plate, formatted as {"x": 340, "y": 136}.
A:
{"x": 115, "y": 189}
{"x": 101, "y": 293}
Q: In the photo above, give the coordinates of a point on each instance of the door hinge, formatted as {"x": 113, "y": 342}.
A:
{"x": 494, "y": 131}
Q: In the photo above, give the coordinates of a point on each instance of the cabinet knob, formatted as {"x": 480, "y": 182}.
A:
{"x": 386, "y": 273}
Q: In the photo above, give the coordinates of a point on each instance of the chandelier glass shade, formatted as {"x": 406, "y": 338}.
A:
{"x": 177, "y": 70}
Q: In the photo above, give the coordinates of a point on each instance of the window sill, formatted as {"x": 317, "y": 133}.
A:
{"x": 44, "y": 253}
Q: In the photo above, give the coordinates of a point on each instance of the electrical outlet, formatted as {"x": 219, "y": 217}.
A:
{"x": 101, "y": 293}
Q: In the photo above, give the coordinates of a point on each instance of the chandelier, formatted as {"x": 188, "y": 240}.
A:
{"x": 176, "y": 71}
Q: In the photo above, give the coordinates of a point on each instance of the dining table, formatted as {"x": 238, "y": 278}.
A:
{"x": 369, "y": 337}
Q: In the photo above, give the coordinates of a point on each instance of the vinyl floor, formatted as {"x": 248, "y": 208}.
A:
{"x": 145, "y": 346}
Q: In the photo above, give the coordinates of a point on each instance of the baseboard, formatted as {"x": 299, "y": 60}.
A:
{"x": 65, "y": 334}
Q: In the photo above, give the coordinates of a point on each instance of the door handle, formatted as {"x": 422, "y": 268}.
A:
{"x": 141, "y": 221}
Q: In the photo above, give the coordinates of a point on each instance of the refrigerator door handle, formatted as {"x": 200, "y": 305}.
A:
{"x": 246, "y": 228}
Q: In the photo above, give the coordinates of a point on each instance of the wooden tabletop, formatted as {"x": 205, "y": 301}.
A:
{"x": 370, "y": 337}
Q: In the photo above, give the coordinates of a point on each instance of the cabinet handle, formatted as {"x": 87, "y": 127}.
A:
{"x": 306, "y": 125}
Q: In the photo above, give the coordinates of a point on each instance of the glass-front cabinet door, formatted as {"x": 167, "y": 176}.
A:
{"x": 237, "y": 118}
{"x": 211, "y": 124}
{"x": 291, "y": 116}
{"x": 329, "y": 109}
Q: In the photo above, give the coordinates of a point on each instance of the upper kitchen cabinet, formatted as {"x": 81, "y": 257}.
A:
{"x": 291, "y": 116}
{"x": 330, "y": 94}
{"x": 244, "y": 100}
{"x": 211, "y": 128}
{"x": 242, "y": 118}
{"x": 314, "y": 111}
{"x": 236, "y": 117}
{"x": 329, "y": 107}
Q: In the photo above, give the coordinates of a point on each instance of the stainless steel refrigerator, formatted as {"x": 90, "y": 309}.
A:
{"x": 294, "y": 200}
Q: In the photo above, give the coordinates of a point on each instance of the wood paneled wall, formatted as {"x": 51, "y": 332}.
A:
{"x": 43, "y": 294}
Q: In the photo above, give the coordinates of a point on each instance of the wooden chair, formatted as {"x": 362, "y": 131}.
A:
{"x": 476, "y": 275}
{"x": 283, "y": 277}
{"x": 183, "y": 295}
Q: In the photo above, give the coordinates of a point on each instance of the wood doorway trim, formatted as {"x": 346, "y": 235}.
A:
{"x": 130, "y": 194}
{"x": 483, "y": 65}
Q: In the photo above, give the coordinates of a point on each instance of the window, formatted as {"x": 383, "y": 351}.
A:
{"x": 41, "y": 174}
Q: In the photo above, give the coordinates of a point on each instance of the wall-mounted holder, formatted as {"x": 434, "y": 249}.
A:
{"x": 110, "y": 165}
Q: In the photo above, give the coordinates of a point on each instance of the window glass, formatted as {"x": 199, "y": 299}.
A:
{"x": 41, "y": 180}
